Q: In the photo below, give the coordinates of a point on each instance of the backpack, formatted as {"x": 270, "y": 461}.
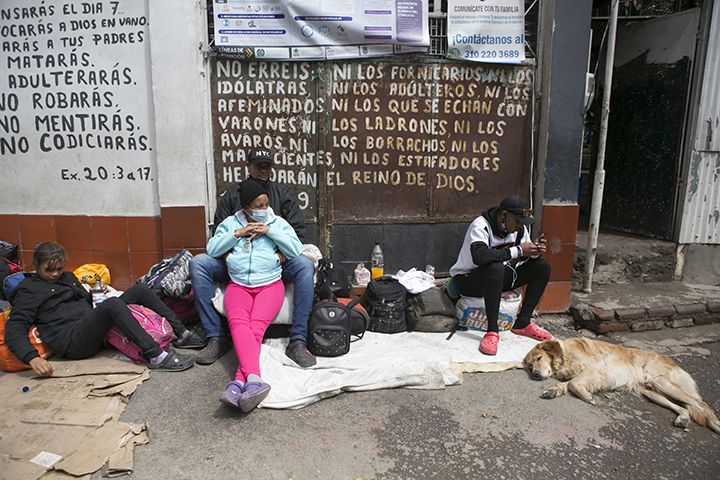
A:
{"x": 330, "y": 328}
{"x": 359, "y": 317}
{"x": 170, "y": 277}
{"x": 11, "y": 281}
{"x": 10, "y": 251}
{"x": 185, "y": 309}
{"x": 386, "y": 300}
{"x": 331, "y": 280}
{"x": 158, "y": 328}
{"x": 7, "y": 269}
{"x": 430, "y": 311}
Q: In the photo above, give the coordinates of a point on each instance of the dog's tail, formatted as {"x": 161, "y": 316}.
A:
{"x": 682, "y": 388}
{"x": 702, "y": 415}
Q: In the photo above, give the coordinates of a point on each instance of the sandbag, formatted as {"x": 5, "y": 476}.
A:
{"x": 430, "y": 311}
{"x": 471, "y": 313}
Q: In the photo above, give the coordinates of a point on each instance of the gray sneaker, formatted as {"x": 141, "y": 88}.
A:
{"x": 216, "y": 348}
{"x": 297, "y": 352}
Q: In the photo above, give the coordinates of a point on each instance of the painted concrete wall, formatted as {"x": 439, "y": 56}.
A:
{"x": 178, "y": 33}
{"x": 78, "y": 133}
{"x": 102, "y": 130}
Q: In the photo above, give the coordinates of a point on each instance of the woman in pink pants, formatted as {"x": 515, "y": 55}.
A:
{"x": 257, "y": 243}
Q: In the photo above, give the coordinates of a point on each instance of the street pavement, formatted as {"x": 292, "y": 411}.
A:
{"x": 494, "y": 425}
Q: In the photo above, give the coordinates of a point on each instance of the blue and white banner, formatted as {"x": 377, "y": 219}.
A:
{"x": 486, "y": 30}
{"x": 314, "y": 23}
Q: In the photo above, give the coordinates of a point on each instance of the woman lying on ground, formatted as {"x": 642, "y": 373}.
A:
{"x": 62, "y": 310}
{"x": 258, "y": 243}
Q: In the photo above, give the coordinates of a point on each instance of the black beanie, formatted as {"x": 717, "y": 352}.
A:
{"x": 249, "y": 191}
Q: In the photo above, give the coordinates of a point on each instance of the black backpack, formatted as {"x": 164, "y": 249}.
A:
{"x": 386, "y": 300}
{"x": 330, "y": 326}
{"x": 331, "y": 280}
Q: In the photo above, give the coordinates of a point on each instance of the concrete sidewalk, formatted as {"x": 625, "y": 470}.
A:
{"x": 646, "y": 295}
{"x": 494, "y": 425}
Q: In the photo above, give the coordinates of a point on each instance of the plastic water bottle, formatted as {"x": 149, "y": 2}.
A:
{"x": 98, "y": 293}
{"x": 377, "y": 261}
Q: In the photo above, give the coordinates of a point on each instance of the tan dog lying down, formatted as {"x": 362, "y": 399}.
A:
{"x": 585, "y": 367}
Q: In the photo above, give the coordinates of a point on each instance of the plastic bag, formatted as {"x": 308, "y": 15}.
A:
{"x": 10, "y": 251}
{"x": 470, "y": 311}
{"x": 92, "y": 272}
{"x": 8, "y": 361}
{"x": 361, "y": 276}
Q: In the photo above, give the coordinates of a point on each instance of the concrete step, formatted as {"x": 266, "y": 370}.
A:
{"x": 645, "y": 306}
{"x": 625, "y": 259}
{"x": 633, "y": 287}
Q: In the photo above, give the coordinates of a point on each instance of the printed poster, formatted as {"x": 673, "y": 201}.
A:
{"x": 486, "y": 31}
{"x": 312, "y": 23}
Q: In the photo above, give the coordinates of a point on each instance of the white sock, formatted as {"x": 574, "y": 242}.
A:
{"x": 159, "y": 358}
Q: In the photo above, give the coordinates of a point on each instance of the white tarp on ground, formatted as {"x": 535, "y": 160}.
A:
{"x": 411, "y": 360}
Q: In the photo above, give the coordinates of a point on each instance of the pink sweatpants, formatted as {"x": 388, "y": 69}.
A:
{"x": 249, "y": 312}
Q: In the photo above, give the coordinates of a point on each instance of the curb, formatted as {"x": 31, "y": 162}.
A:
{"x": 641, "y": 319}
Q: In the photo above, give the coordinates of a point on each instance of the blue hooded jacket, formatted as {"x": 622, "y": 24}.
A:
{"x": 254, "y": 263}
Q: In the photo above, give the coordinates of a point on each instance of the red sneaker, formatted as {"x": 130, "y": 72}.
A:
{"x": 489, "y": 343}
{"x": 533, "y": 331}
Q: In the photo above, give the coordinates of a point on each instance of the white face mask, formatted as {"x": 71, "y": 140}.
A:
{"x": 260, "y": 215}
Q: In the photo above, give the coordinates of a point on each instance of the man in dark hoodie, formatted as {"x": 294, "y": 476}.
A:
{"x": 497, "y": 256}
{"x": 205, "y": 270}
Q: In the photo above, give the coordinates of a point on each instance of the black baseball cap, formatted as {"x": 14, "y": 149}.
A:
{"x": 517, "y": 205}
{"x": 260, "y": 155}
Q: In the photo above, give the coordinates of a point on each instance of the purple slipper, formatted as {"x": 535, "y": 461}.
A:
{"x": 231, "y": 395}
{"x": 252, "y": 395}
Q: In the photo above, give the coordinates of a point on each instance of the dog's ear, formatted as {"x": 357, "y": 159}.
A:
{"x": 549, "y": 345}
{"x": 553, "y": 348}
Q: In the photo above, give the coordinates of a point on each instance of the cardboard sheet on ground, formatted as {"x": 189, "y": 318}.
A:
{"x": 409, "y": 360}
{"x": 69, "y": 422}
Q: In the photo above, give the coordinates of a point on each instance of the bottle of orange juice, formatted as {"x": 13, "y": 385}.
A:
{"x": 377, "y": 262}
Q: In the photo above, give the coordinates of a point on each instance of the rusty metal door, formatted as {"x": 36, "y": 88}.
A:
{"x": 376, "y": 141}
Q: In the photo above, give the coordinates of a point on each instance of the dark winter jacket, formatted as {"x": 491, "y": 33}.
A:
{"x": 52, "y": 307}
{"x": 280, "y": 198}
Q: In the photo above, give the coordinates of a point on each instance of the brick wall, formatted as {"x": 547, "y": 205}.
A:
{"x": 128, "y": 246}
